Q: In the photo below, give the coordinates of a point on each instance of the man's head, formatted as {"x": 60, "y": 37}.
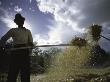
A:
{"x": 19, "y": 20}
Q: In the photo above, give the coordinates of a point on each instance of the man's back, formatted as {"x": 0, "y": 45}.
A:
{"x": 19, "y": 35}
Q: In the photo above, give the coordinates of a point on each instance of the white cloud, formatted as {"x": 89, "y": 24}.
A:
{"x": 9, "y": 22}
{"x": 65, "y": 25}
{"x": 17, "y": 9}
{"x": 60, "y": 33}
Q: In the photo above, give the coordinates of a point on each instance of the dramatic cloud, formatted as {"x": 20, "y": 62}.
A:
{"x": 83, "y": 12}
{"x": 64, "y": 27}
{"x": 56, "y": 35}
{"x": 63, "y": 12}
{"x": 73, "y": 16}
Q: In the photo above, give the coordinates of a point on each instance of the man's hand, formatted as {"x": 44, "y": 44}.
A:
{"x": 1, "y": 50}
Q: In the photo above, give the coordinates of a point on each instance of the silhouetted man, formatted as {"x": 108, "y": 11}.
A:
{"x": 20, "y": 60}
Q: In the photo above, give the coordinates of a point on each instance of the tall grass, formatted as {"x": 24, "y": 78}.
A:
{"x": 71, "y": 64}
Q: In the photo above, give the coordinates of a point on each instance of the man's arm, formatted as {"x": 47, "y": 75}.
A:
{"x": 5, "y": 38}
{"x": 30, "y": 39}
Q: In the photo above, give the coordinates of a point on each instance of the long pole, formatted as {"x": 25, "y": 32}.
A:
{"x": 105, "y": 37}
{"x": 30, "y": 47}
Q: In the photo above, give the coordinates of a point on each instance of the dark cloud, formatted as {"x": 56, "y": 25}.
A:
{"x": 94, "y": 12}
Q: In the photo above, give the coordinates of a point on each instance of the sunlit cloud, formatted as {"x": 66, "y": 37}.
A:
{"x": 8, "y": 21}
{"x": 62, "y": 11}
{"x": 59, "y": 33}
{"x": 17, "y": 9}
{"x": 65, "y": 26}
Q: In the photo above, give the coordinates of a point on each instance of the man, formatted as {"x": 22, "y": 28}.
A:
{"x": 20, "y": 60}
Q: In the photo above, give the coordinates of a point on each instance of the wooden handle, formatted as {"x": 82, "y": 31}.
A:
{"x": 30, "y": 47}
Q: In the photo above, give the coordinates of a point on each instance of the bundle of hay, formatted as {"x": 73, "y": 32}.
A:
{"x": 77, "y": 41}
{"x": 95, "y": 31}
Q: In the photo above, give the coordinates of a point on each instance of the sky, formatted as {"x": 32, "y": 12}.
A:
{"x": 57, "y": 21}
